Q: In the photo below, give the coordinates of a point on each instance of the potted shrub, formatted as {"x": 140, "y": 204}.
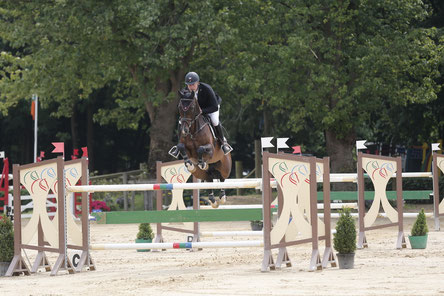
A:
{"x": 256, "y": 225}
{"x": 418, "y": 237}
{"x": 344, "y": 240}
{"x": 145, "y": 235}
{"x": 6, "y": 243}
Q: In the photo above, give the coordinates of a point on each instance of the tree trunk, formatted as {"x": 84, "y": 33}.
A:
{"x": 163, "y": 125}
{"x": 90, "y": 135}
{"x": 341, "y": 155}
{"x": 74, "y": 131}
{"x": 163, "y": 119}
{"x": 267, "y": 122}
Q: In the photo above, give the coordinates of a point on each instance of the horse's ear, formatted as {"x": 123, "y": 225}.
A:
{"x": 180, "y": 93}
{"x": 192, "y": 94}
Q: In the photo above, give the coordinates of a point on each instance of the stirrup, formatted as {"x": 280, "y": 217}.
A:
{"x": 226, "y": 148}
{"x": 174, "y": 152}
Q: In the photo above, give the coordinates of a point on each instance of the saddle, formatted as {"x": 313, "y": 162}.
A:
{"x": 208, "y": 120}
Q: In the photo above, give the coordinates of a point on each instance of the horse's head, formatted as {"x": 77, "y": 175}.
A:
{"x": 189, "y": 110}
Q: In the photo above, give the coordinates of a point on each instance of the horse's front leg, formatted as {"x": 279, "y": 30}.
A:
{"x": 188, "y": 163}
{"x": 201, "y": 151}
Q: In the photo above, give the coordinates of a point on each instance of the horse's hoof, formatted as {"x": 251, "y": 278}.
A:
{"x": 213, "y": 201}
{"x": 223, "y": 199}
{"x": 215, "y": 205}
{"x": 203, "y": 166}
{"x": 190, "y": 167}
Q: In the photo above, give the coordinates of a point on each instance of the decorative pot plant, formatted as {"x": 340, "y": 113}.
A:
{"x": 344, "y": 240}
{"x": 256, "y": 225}
{"x": 418, "y": 237}
{"x": 6, "y": 243}
{"x": 145, "y": 235}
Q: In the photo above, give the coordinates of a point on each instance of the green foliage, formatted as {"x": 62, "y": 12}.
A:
{"x": 141, "y": 50}
{"x": 6, "y": 239}
{"x": 344, "y": 240}
{"x": 420, "y": 227}
{"x": 336, "y": 66}
{"x": 145, "y": 231}
{"x": 351, "y": 68}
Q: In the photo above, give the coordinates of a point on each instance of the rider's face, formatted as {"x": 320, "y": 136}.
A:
{"x": 193, "y": 87}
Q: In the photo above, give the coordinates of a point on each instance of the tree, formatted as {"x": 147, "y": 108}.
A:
{"x": 143, "y": 48}
{"x": 361, "y": 58}
{"x": 337, "y": 66}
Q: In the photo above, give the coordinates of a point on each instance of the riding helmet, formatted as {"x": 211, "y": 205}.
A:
{"x": 191, "y": 78}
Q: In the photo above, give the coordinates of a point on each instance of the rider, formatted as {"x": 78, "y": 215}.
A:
{"x": 209, "y": 102}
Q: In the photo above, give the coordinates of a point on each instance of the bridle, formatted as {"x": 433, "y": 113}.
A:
{"x": 186, "y": 123}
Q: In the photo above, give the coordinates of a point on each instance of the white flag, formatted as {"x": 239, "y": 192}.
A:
{"x": 361, "y": 144}
{"x": 266, "y": 142}
{"x": 281, "y": 143}
{"x": 435, "y": 146}
{"x": 2, "y": 154}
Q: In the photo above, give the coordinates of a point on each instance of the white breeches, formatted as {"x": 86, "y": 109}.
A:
{"x": 214, "y": 117}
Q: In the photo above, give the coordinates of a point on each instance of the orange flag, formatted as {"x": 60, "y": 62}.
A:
{"x": 33, "y": 109}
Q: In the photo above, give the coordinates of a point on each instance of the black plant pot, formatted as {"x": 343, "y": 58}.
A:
{"x": 346, "y": 261}
{"x": 256, "y": 225}
{"x": 4, "y": 267}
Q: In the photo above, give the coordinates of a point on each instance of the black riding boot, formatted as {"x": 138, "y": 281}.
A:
{"x": 226, "y": 148}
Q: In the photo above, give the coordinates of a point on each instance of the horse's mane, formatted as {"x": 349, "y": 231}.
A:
{"x": 185, "y": 94}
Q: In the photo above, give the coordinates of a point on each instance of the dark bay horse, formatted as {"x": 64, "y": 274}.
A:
{"x": 198, "y": 146}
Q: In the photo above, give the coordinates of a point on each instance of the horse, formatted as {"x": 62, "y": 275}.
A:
{"x": 199, "y": 147}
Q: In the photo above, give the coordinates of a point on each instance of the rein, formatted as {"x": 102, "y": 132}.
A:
{"x": 191, "y": 121}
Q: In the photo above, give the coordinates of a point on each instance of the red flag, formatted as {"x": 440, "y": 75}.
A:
{"x": 42, "y": 155}
{"x": 84, "y": 151}
{"x": 296, "y": 149}
{"x": 59, "y": 148}
{"x": 33, "y": 109}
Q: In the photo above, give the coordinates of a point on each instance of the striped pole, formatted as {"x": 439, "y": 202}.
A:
{"x": 187, "y": 245}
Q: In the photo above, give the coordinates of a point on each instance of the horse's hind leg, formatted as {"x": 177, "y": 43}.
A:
{"x": 214, "y": 203}
{"x": 218, "y": 175}
{"x": 188, "y": 164}
{"x": 222, "y": 197}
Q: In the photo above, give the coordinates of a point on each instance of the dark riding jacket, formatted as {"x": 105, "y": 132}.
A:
{"x": 208, "y": 100}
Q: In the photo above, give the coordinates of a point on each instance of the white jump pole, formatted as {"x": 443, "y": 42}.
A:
{"x": 187, "y": 245}
{"x": 246, "y": 183}
{"x": 259, "y": 206}
{"x": 231, "y": 233}
{"x": 380, "y": 215}
{"x": 171, "y": 186}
